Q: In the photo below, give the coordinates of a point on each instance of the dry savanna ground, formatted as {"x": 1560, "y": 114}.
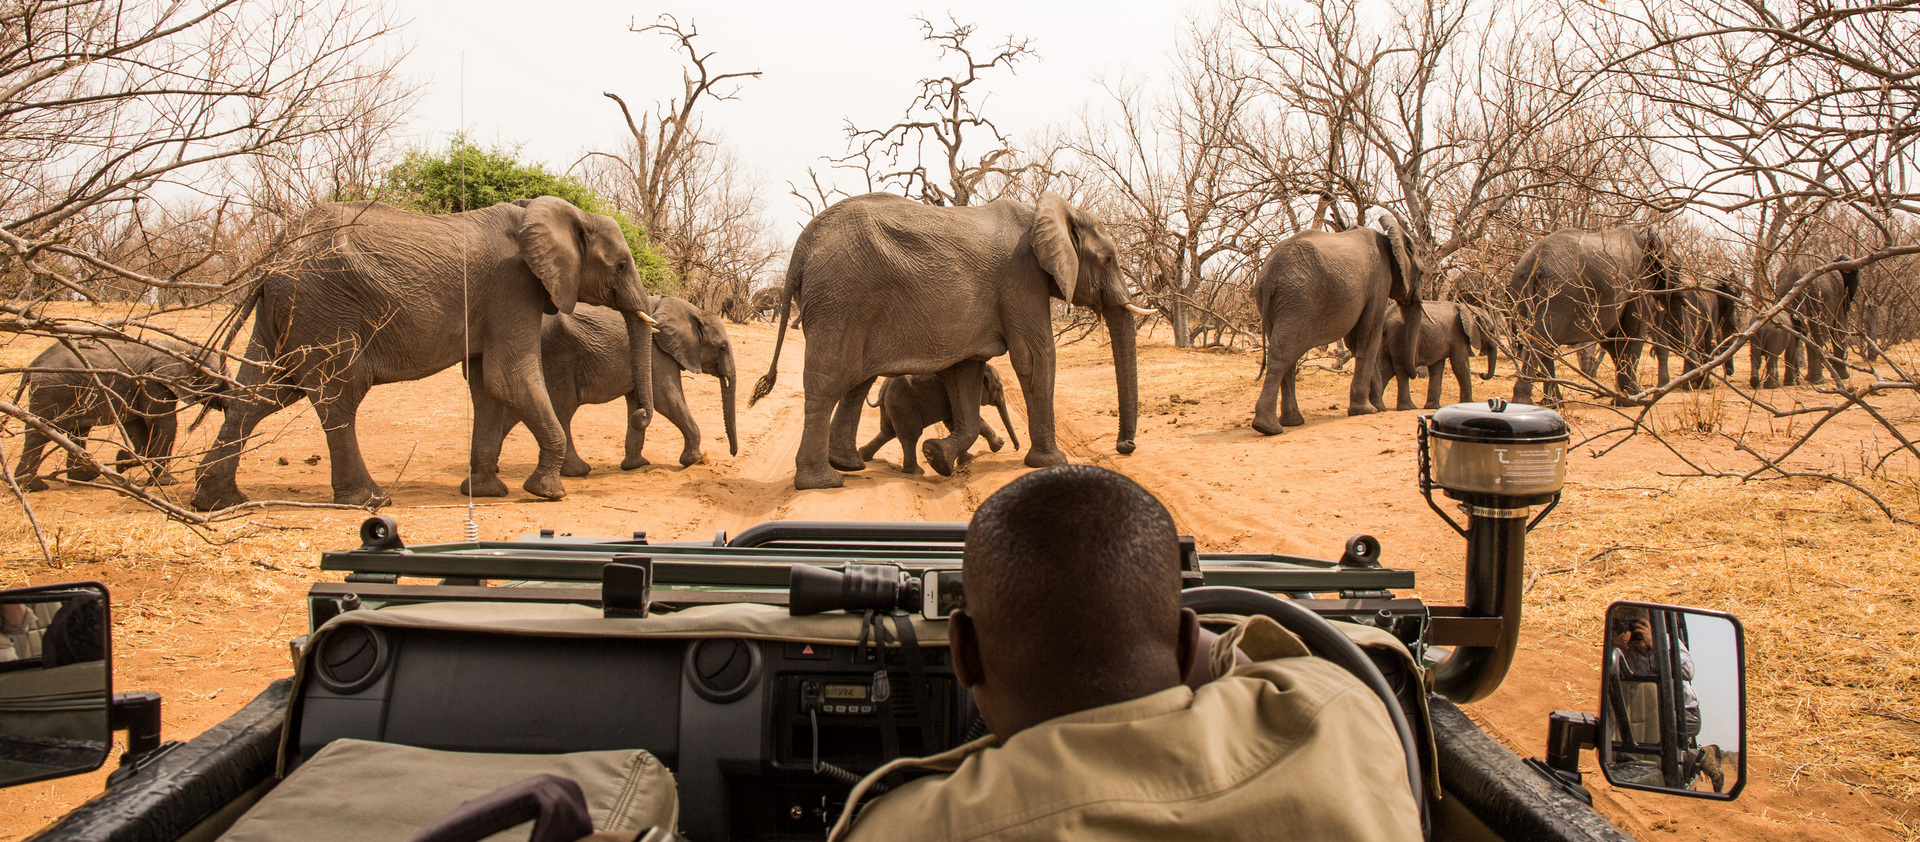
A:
{"x": 1824, "y": 583}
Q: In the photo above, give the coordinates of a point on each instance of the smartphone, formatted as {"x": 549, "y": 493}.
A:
{"x": 940, "y": 594}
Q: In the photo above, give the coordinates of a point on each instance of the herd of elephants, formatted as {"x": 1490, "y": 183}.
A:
{"x": 541, "y": 303}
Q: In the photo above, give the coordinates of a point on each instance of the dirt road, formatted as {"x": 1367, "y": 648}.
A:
{"x": 206, "y": 624}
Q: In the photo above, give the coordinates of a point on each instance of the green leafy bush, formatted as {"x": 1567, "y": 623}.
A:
{"x": 465, "y": 176}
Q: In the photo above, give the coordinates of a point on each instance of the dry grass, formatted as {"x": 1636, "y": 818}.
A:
{"x": 1822, "y": 581}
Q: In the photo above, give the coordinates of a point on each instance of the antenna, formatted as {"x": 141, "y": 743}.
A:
{"x": 470, "y": 529}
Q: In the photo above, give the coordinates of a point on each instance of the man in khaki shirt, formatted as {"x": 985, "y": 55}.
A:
{"x": 1075, "y": 646}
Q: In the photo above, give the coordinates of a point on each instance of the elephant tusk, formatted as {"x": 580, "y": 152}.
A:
{"x": 1138, "y": 310}
{"x": 646, "y": 318}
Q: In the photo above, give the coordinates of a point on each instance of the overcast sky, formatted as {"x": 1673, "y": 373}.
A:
{"x": 534, "y": 72}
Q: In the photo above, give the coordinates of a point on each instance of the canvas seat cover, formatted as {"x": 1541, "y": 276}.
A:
{"x": 359, "y": 791}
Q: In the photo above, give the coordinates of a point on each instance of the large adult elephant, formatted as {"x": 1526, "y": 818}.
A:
{"x": 891, "y": 287}
{"x": 367, "y": 294}
{"x": 584, "y": 359}
{"x": 1578, "y": 286}
{"x": 1819, "y": 314}
{"x": 1700, "y": 318}
{"x": 1317, "y": 287}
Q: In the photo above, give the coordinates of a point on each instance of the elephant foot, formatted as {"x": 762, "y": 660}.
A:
{"x": 165, "y": 478}
{"x": 1293, "y": 419}
{"x": 38, "y": 484}
{"x": 1363, "y": 409}
{"x": 488, "y": 485}
{"x": 1268, "y": 427}
{"x": 847, "y": 463}
{"x": 995, "y": 445}
{"x": 1037, "y": 458}
{"x": 1124, "y": 446}
{"x": 1625, "y": 401}
{"x": 1436, "y": 404}
{"x": 690, "y": 458}
{"x": 821, "y": 477}
{"x": 210, "y": 496}
{"x": 1402, "y": 406}
{"x": 938, "y": 457}
{"x": 866, "y": 454}
{"x": 634, "y": 462}
{"x": 545, "y": 485}
{"x": 1771, "y": 384}
{"x": 372, "y": 497}
{"x": 913, "y": 469}
{"x": 576, "y": 468}
{"x": 82, "y": 474}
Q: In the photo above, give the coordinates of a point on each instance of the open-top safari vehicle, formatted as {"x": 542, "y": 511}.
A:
{"x": 736, "y": 689}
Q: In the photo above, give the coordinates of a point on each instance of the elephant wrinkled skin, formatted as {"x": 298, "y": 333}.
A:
{"x": 1317, "y": 287}
{"x": 914, "y": 403}
{"x": 584, "y": 359}
{"x": 1820, "y": 315}
{"x": 1449, "y": 335}
{"x": 367, "y": 294}
{"x": 133, "y": 385}
{"x": 1577, "y": 286}
{"x": 890, "y": 287}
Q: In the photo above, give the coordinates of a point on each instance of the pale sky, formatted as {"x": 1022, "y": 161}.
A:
{"x": 534, "y": 72}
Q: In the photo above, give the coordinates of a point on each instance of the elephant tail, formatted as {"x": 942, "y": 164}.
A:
{"x": 787, "y": 295}
{"x": 238, "y": 318}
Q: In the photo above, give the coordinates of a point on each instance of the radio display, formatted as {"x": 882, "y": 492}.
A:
{"x": 844, "y": 692}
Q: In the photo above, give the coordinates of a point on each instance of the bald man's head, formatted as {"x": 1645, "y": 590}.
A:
{"x": 1073, "y": 590}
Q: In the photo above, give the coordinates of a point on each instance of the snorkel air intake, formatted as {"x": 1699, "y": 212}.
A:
{"x": 1498, "y": 460}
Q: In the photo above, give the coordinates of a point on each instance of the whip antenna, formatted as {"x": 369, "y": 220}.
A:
{"x": 471, "y": 529}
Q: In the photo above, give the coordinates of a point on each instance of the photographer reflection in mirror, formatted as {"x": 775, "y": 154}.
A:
{"x": 1651, "y": 690}
{"x": 53, "y": 685}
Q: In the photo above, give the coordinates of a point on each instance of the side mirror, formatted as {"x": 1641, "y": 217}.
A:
{"x": 56, "y": 687}
{"x": 1673, "y": 709}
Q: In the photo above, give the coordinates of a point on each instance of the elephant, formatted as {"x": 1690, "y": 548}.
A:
{"x": 583, "y": 358}
{"x": 1319, "y": 286}
{"x": 913, "y": 403}
{"x": 1450, "y": 333}
{"x": 890, "y": 287}
{"x": 135, "y": 385}
{"x": 1819, "y": 314}
{"x": 1770, "y": 342}
{"x": 1576, "y": 286}
{"x": 765, "y": 302}
{"x": 367, "y": 294}
{"x": 1704, "y": 319}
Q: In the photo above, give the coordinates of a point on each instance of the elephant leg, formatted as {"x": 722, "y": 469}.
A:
{"x": 564, "y": 407}
{"x": 1368, "y": 362}
{"x": 157, "y": 450}
{"x": 1816, "y": 367}
{"x": 994, "y": 442}
{"x": 130, "y": 455}
{"x": 1033, "y": 366}
{"x": 1434, "y": 380}
{"x": 1663, "y": 356}
{"x": 1625, "y": 352}
{"x": 1774, "y": 364}
{"x": 841, "y": 452}
{"x": 670, "y": 401}
{"x": 963, "y": 384}
{"x": 26, "y": 471}
{"x": 215, "y": 487}
{"x": 1403, "y": 401}
{"x": 1790, "y": 359}
{"x": 1266, "y": 420}
{"x": 636, "y": 438}
{"x": 810, "y": 466}
{"x": 514, "y": 382}
{"x": 491, "y": 424}
{"x": 909, "y": 430}
{"x": 338, "y": 406}
{"x": 77, "y": 468}
{"x": 881, "y": 438}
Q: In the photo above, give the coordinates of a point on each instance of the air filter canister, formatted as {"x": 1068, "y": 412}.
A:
{"x": 1497, "y": 449}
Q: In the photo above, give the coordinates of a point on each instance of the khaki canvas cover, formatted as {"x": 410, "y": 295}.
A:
{"x": 358, "y": 791}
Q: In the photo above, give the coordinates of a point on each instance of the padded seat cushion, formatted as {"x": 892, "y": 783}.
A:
{"x": 358, "y": 791}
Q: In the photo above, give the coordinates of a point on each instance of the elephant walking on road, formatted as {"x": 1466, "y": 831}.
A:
{"x": 1449, "y": 335}
{"x": 1577, "y": 286}
{"x": 369, "y": 294}
{"x": 890, "y": 287}
{"x": 136, "y": 386}
{"x": 1317, "y": 287}
{"x": 584, "y": 360}
{"x": 1820, "y": 315}
{"x": 911, "y": 404}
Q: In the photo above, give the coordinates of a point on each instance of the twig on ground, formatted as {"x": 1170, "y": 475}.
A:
{"x": 33, "y": 523}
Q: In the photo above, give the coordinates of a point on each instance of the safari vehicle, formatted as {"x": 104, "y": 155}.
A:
{"x": 770, "y": 670}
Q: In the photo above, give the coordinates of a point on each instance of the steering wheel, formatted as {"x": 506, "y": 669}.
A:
{"x": 1326, "y": 642}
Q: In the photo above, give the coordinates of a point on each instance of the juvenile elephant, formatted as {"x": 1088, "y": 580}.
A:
{"x": 1819, "y": 314}
{"x": 890, "y": 287}
{"x": 136, "y": 386}
{"x": 1770, "y": 342}
{"x": 1701, "y": 320}
{"x": 915, "y": 402}
{"x": 1317, "y": 287}
{"x": 1577, "y": 286}
{"x": 366, "y": 294}
{"x": 584, "y": 359}
{"x": 1450, "y": 333}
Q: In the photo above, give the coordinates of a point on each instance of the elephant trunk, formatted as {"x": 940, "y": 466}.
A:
{"x": 1007, "y": 421}
{"x": 727, "y": 381}
{"x": 1493, "y": 352}
{"x": 1126, "y": 373}
{"x": 1411, "y": 314}
{"x": 640, "y": 358}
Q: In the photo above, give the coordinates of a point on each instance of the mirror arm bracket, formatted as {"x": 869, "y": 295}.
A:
{"x": 137, "y": 713}
{"x": 1568, "y": 732}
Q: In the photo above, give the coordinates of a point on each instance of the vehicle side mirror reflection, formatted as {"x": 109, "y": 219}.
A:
{"x": 55, "y": 682}
{"x": 1673, "y": 701}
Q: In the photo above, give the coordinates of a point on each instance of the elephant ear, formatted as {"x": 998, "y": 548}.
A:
{"x": 1472, "y": 325}
{"x": 1052, "y": 239}
{"x": 550, "y": 243}
{"x": 1408, "y": 268}
{"x": 678, "y": 333}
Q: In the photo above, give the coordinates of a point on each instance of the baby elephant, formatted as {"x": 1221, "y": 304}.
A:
{"x": 1449, "y": 334}
{"x": 1773, "y": 340}
{"x": 584, "y": 358}
{"x": 133, "y": 385}
{"x": 913, "y": 403}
